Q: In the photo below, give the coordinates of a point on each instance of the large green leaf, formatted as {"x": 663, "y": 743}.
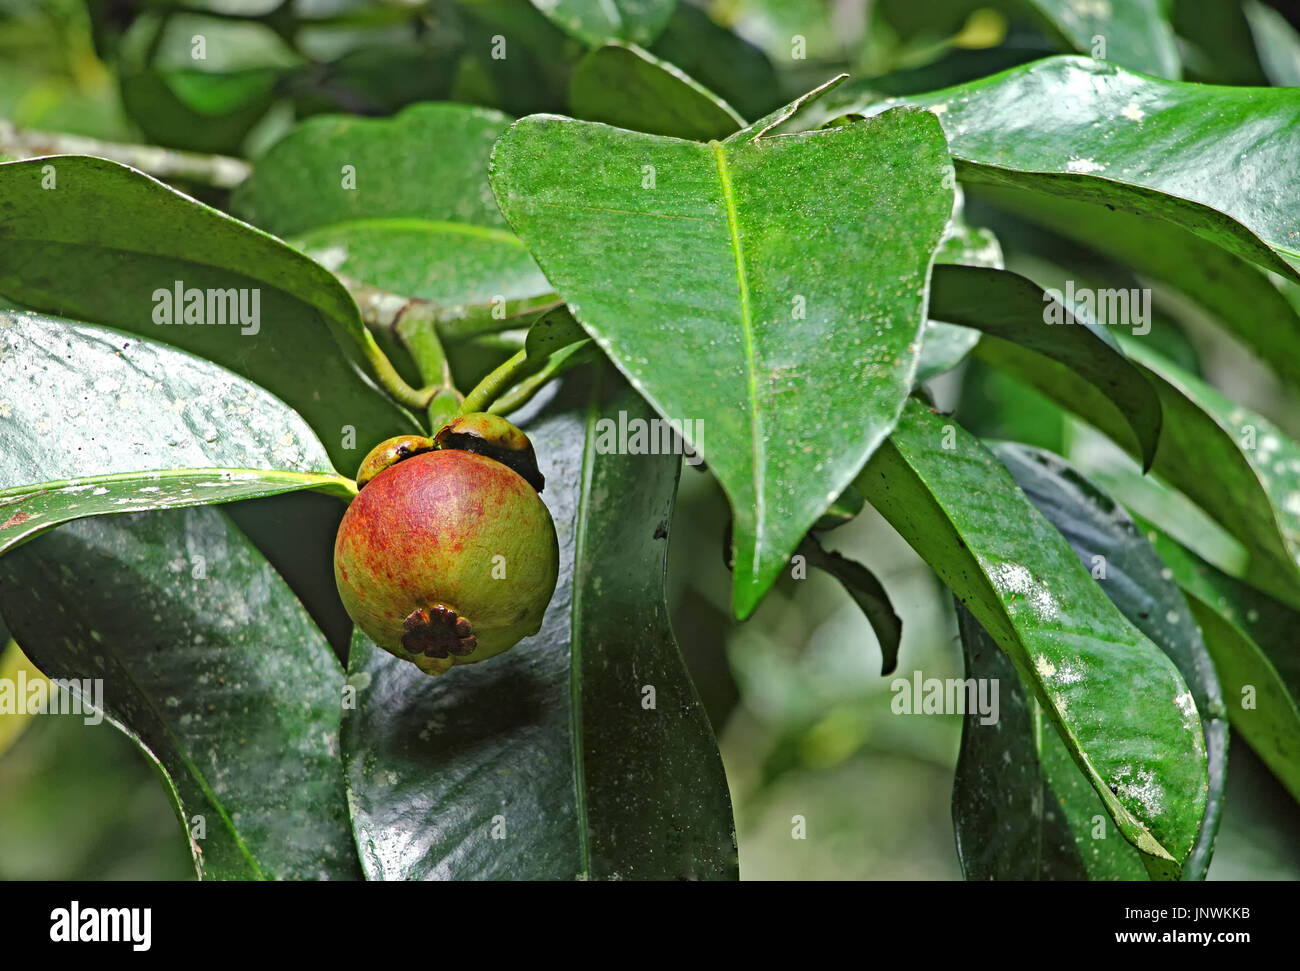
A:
{"x": 1010, "y": 308}
{"x": 1050, "y": 793}
{"x": 104, "y": 238}
{"x": 94, "y": 422}
{"x": 727, "y": 281}
{"x": 1252, "y": 640}
{"x": 1126, "y": 715}
{"x": 1214, "y": 160}
{"x": 596, "y": 22}
{"x": 628, "y": 87}
{"x": 401, "y": 203}
{"x": 583, "y": 752}
{"x": 210, "y": 665}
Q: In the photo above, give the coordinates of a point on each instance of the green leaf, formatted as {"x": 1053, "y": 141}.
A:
{"x": 1135, "y": 33}
{"x": 867, "y": 592}
{"x": 1213, "y": 160}
{"x": 1255, "y": 489}
{"x": 596, "y": 22}
{"x": 199, "y": 111}
{"x": 412, "y": 215}
{"x": 1120, "y": 705}
{"x": 210, "y": 665}
{"x": 1254, "y": 492}
{"x": 1021, "y": 809}
{"x": 1252, "y": 640}
{"x": 944, "y": 345}
{"x": 1013, "y": 310}
{"x": 1135, "y": 579}
{"x": 628, "y": 87}
{"x": 1242, "y": 298}
{"x": 720, "y": 60}
{"x": 551, "y": 332}
{"x": 726, "y": 281}
{"x": 553, "y": 744}
{"x": 105, "y": 238}
{"x": 97, "y": 422}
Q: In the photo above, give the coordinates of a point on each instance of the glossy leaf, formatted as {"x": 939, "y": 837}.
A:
{"x": 726, "y": 281}
{"x": 102, "y": 243}
{"x": 1254, "y": 492}
{"x": 596, "y": 22}
{"x": 555, "y": 760}
{"x": 1012, "y": 309}
{"x": 867, "y": 592}
{"x": 1252, "y": 640}
{"x": 628, "y": 87}
{"x": 1213, "y": 160}
{"x": 212, "y": 667}
{"x": 1241, "y": 297}
{"x": 1135, "y": 579}
{"x": 1021, "y": 808}
{"x": 1133, "y": 33}
{"x": 1120, "y": 705}
{"x": 98, "y": 422}
{"x": 400, "y": 203}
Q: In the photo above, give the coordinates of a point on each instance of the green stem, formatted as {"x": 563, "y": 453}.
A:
{"x": 392, "y": 382}
{"x": 506, "y": 376}
{"x": 419, "y": 335}
{"x": 558, "y": 363}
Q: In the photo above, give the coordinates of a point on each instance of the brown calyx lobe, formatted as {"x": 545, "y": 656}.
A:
{"x": 495, "y": 438}
{"x": 438, "y": 631}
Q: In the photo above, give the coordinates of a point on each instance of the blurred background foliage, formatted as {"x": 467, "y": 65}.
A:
{"x": 795, "y": 694}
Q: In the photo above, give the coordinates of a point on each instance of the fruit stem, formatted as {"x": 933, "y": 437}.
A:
{"x": 418, "y": 334}
{"x": 561, "y": 361}
{"x": 514, "y": 370}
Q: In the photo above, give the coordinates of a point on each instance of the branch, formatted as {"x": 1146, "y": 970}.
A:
{"x": 219, "y": 171}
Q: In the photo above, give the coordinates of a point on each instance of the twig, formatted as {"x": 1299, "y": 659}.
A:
{"x": 219, "y": 171}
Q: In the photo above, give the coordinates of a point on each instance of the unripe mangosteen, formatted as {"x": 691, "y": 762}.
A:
{"x": 447, "y": 556}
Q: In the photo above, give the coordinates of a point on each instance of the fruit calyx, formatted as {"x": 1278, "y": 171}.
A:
{"x": 438, "y": 631}
{"x": 388, "y": 453}
{"x": 495, "y": 438}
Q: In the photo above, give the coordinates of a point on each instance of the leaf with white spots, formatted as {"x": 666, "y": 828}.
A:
{"x": 1021, "y": 808}
{"x": 96, "y": 422}
{"x": 1254, "y": 491}
{"x": 1119, "y": 704}
{"x": 1218, "y": 161}
{"x": 212, "y": 667}
{"x": 88, "y": 238}
{"x": 727, "y": 281}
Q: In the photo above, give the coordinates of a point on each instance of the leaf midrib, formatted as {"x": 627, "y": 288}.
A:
{"x": 751, "y": 358}
{"x": 412, "y": 223}
{"x": 154, "y": 475}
